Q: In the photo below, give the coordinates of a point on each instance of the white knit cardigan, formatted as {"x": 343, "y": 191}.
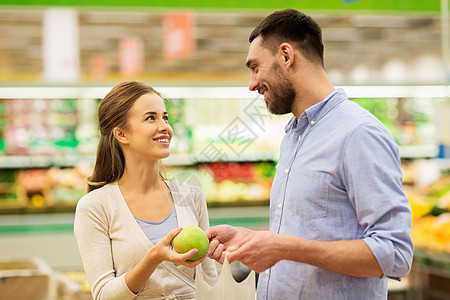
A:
{"x": 111, "y": 243}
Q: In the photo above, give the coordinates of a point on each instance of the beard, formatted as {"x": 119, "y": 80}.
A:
{"x": 281, "y": 97}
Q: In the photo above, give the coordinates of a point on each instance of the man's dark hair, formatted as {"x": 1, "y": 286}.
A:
{"x": 291, "y": 26}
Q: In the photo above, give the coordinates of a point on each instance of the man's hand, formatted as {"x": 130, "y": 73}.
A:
{"x": 221, "y": 238}
{"x": 258, "y": 250}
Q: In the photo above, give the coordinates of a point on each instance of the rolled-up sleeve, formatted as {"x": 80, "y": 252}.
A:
{"x": 373, "y": 179}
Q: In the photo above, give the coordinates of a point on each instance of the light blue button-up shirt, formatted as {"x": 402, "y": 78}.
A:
{"x": 338, "y": 178}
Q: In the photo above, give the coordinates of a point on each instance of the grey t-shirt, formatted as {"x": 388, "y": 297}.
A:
{"x": 156, "y": 231}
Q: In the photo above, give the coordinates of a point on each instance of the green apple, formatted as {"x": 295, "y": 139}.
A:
{"x": 191, "y": 237}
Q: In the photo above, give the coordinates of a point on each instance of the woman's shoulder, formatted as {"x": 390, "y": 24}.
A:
{"x": 182, "y": 186}
{"x": 93, "y": 197}
{"x": 185, "y": 191}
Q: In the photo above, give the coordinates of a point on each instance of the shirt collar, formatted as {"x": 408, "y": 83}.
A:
{"x": 314, "y": 113}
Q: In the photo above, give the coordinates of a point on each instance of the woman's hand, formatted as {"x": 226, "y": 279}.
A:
{"x": 164, "y": 251}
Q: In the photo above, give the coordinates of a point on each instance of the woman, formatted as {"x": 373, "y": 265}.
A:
{"x": 125, "y": 224}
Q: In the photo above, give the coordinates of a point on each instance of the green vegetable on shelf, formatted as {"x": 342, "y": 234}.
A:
{"x": 436, "y": 211}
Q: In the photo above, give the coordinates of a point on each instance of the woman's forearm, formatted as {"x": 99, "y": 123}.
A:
{"x": 139, "y": 274}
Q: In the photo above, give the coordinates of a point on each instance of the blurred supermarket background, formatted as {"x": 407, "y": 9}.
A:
{"x": 59, "y": 58}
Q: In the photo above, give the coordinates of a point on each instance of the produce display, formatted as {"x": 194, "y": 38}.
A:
{"x": 54, "y": 188}
{"x": 231, "y": 156}
{"x": 246, "y": 182}
{"x": 229, "y": 183}
{"x": 182, "y": 131}
{"x": 431, "y": 215}
{"x": 38, "y": 126}
{"x": 58, "y": 188}
{"x": 8, "y": 188}
{"x": 410, "y": 121}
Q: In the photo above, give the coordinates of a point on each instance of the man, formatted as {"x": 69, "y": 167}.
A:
{"x": 339, "y": 220}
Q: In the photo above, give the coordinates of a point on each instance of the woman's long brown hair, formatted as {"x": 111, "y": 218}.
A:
{"x": 114, "y": 112}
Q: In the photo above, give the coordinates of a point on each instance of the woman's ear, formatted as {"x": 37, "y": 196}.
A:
{"x": 120, "y": 135}
{"x": 287, "y": 55}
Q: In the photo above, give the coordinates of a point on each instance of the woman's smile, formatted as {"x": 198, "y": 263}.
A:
{"x": 163, "y": 140}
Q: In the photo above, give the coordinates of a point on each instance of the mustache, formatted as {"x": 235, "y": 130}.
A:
{"x": 261, "y": 88}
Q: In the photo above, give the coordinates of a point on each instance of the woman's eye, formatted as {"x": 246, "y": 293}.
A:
{"x": 166, "y": 118}
{"x": 151, "y": 118}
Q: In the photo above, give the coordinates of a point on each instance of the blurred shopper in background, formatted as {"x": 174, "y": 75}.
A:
{"x": 339, "y": 221}
{"x": 125, "y": 225}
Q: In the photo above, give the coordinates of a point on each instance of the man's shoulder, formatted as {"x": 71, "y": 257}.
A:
{"x": 354, "y": 115}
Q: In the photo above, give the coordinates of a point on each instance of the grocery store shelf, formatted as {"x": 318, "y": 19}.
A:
{"x": 250, "y": 217}
{"x": 50, "y": 236}
{"x": 192, "y": 159}
{"x": 42, "y": 161}
{"x": 178, "y": 159}
{"x": 46, "y": 161}
{"x": 431, "y": 274}
{"x": 418, "y": 151}
{"x": 57, "y": 209}
{"x": 20, "y": 210}
{"x": 36, "y": 223}
{"x": 444, "y": 164}
{"x": 435, "y": 262}
{"x": 238, "y": 204}
{"x": 83, "y": 92}
{"x": 25, "y": 224}
{"x": 242, "y": 92}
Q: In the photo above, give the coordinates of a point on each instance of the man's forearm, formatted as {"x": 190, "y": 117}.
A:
{"x": 351, "y": 257}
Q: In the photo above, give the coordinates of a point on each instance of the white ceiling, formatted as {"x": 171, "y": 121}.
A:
{"x": 359, "y": 49}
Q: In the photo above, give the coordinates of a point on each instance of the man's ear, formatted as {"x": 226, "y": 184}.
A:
{"x": 287, "y": 55}
{"x": 120, "y": 135}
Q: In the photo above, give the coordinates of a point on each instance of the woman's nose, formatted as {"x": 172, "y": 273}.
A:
{"x": 163, "y": 126}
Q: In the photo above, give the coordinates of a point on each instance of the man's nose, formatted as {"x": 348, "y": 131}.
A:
{"x": 253, "y": 85}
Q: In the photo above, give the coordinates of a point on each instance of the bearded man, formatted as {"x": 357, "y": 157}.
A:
{"x": 340, "y": 222}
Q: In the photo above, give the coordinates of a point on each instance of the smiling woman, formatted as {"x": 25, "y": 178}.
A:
{"x": 125, "y": 225}
{"x": 113, "y": 115}
{"x": 147, "y": 131}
